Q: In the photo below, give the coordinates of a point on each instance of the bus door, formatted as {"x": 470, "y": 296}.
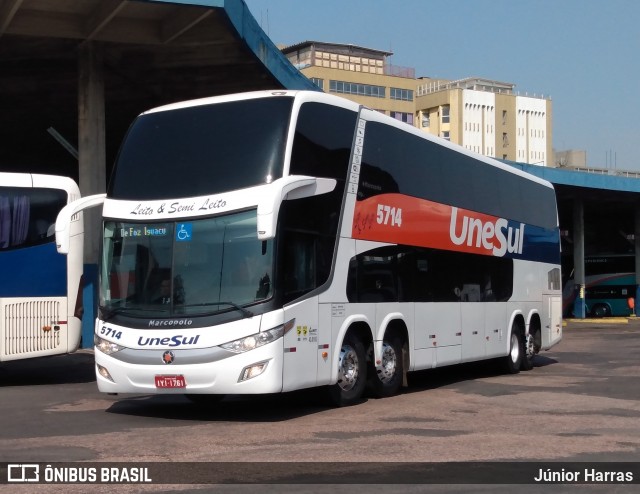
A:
{"x": 473, "y": 322}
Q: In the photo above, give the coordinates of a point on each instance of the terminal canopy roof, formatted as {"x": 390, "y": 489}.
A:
{"x": 153, "y": 52}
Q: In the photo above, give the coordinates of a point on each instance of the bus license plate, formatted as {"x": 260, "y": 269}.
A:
{"x": 170, "y": 382}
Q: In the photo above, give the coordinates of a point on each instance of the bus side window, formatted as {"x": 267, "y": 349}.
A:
{"x": 299, "y": 265}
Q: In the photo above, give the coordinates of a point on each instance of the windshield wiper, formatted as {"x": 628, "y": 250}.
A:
{"x": 245, "y": 312}
{"x": 110, "y": 312}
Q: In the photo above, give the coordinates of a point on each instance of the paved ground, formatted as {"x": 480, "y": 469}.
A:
{"x": 581, "y": 403}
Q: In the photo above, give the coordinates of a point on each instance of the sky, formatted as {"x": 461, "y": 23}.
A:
{"x": 583, "y": 54}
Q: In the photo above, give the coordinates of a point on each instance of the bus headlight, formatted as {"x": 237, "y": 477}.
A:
{"x": 257, "y": 340}
{"x": 106, "y": 346}
{"x": 252, "y": 371}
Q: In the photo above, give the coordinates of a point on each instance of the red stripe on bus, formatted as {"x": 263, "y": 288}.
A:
{"x": 401, "y": 219}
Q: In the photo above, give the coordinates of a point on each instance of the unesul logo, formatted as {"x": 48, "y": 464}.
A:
{"x": 496, "y": 237}
{"x": 170, "y": 341}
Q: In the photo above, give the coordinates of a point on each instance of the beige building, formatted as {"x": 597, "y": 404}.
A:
{"x": 360, "y": 74}
{"x": 485, "y": 116}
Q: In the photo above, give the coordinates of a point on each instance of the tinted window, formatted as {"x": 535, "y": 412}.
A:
{"x": 321, "y": 148}
{"x": 405, "y": 274}
{"x": 28, "y": 215}
{"x": 396, "y": 161}
{"x": 322, "y": 142}
{"x": 202, "y": 150}
{"x": 609, "y": 265}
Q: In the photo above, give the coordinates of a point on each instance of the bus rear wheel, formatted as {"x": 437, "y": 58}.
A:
{"x": 352, "y": 373}
{"x": 513, "y": 361}
{"x": 385, "y": 379}
{"x": 532, "y": 345}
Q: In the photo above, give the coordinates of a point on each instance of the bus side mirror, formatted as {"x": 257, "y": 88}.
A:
{"x": 63, "y": 222}
{"x": 287, "y": 188}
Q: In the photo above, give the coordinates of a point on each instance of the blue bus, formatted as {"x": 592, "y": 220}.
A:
{"x": 610, "y": 280}
{"x": 40, "y": 290}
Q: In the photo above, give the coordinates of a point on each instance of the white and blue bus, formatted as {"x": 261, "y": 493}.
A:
{"x": 40, "y": 302}
{"x": 272, "y": 241}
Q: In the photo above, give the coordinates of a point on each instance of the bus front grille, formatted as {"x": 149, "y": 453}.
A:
{"x": 29, "y": 326}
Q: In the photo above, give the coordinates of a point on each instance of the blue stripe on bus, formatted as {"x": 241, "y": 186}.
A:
{"x": 37, "y": 271}
{"x": 540, "y": 244}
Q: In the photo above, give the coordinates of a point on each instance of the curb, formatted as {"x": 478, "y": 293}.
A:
{"x": 603, "y": 320}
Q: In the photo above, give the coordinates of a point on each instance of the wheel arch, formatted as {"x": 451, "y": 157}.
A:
{"x": 393, "y": 323}
{"x": 535, "y": 324}
{"x": 360, "y": 325}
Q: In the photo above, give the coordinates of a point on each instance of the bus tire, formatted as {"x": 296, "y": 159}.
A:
{"x": 513, "y": 361}
{"x": 352, "y": 373}
{"x": 386, "y": 379}
{"x": 529, "y": 353}
{"x": 531, "y": 347}
{"x": 600, "y": 310}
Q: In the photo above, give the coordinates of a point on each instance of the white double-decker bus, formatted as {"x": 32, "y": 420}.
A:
{"x": 272, "y": 241}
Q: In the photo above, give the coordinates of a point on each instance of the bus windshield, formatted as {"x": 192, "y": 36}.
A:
{"x": 195, "y": 267}
{"x": 202, "y": 150}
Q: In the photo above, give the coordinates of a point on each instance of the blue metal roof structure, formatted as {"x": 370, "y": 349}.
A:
{"x": 563, "y": 176}
{"x": 249, "y": 31}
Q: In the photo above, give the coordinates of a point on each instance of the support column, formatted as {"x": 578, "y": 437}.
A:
{"x": 579, "y": 306}
{"x": 92, "y": 171}
{"x": 91, "y": 140}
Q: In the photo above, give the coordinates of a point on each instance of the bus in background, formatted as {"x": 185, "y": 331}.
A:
{"x": 314, "y": 243}
{"x": 610, "y": 280}
{"x": 40, "y": 302}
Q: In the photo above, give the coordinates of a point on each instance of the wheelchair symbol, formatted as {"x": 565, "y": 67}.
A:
{"x": 183, "y": 234}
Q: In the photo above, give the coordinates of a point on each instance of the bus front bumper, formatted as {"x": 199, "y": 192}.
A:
{"x": 254, "y": 372}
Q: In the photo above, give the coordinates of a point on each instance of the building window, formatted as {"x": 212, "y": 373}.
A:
{"x": 445, "y": 135}
{"x": 318, "y": 82}
{"x": 359, "y": 89}
{"x": 401, "y": 94}
{"x": 404, "y": 117}
{"x": 425, "y": 120}
{"x": 505, "y": 140}
{"x": 504, "y": 117}
{"x": 445, "y": 114}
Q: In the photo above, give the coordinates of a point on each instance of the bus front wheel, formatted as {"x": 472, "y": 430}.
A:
{"x": 352, "y": 373}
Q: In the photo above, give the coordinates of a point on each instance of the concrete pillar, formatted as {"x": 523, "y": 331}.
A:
{"x": 92, "y": 171}
{"x": 579, "y": 306}
{"x": 91, "y": 140}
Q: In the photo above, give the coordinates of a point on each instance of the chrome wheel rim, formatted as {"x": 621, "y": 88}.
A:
{"x": 515, "y": 348}
{"x": 530, "y": 346}
{"x": 387, "y": 369}
{"x": 347, "y": 368}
